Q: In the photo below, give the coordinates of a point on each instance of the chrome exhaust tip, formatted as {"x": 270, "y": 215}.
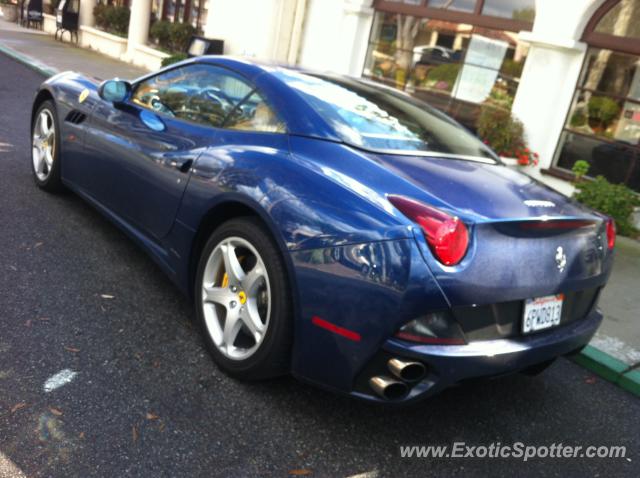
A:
{"x": 407, "y": 371}
{"x": 388, "y": 388}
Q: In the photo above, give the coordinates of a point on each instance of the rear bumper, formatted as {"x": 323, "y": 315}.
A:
{"x": 450, "y": 364}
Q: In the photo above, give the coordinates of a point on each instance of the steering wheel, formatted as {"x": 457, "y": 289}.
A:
{"x": 157, "y": 105}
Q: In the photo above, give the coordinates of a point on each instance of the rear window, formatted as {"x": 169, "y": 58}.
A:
{"x": 380, "y": 119}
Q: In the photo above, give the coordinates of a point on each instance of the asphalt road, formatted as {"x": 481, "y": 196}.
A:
{"x": 76, "y": 294}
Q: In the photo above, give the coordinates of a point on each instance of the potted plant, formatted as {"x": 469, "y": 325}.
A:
{"x": 505, "y": 135}
{"x": 9, "y": 10}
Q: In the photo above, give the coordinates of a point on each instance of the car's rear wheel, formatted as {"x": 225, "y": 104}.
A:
{"x": 45, "y": 148}
{"x": 243, "y": 301}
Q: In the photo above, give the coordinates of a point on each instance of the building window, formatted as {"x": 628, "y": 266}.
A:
{"x": 603, "y": 124}
{"x": 193, "y": 12}
{"x": 515, "y": 9}
{"x": 453, "y": 66}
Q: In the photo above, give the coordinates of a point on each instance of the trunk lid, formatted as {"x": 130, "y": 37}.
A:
{"x": 526, "y": 240}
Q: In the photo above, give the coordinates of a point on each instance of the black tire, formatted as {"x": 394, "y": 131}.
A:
{"x": 53, "y": 181}
{"x": 272, "y": 357}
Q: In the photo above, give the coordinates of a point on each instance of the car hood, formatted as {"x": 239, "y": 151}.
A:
{"x": 480, "y": 191}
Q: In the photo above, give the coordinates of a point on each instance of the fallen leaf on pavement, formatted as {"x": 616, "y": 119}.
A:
{"x": 302, "y": 472}
{"x": 72, "y": 349}
{"x": 590, "y": 380}
{"x": 134, "y": 433}
{"x": 55, "y": 411}
{"x": 37, "y": 244}
{"x": 156, "y": 363}
{"x": 27, "y": 323}
{"x": 81, "y": 436}
{"x": 107, "y": 296}
{"x": 152, "y": 416}
{"x": 18, "y": 406}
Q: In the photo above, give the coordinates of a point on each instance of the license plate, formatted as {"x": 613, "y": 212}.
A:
{"x": 542, "y": 313}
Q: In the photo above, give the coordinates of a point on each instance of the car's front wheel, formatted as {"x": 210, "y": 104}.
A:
{"x": 243, "y": 301}
{"x": 45, "y": 148}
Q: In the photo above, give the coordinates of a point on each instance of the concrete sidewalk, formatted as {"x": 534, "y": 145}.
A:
{"x": 51, "y": 56}
{"x": 614, "y": 353}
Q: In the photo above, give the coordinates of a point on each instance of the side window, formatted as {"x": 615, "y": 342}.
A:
{"x": 202, "y": 94}
{"x": 254, "y": 114}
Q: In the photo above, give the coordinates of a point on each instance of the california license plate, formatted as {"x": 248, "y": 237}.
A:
{"x": 542, "y": 313}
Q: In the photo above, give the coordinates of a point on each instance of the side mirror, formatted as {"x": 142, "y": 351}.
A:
{"x": 116, "y": 91}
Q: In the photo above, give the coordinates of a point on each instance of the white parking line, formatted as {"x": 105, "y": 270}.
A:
{"x": 61, "y": 378}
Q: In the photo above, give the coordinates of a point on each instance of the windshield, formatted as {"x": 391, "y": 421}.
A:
{"x": 380, "y": 119}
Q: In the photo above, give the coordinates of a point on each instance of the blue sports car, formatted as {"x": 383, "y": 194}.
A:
{"x": 329, "y": 227}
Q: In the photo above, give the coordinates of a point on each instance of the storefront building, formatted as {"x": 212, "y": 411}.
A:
{"x": 567, "y": 69}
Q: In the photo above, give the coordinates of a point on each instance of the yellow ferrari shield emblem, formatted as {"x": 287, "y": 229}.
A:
{"x": 83, "y": 95}
{"x": 242, "y": 296}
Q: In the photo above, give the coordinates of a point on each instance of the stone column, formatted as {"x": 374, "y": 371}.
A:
{"x": 337, "y": 35}
{"x": 551, "y": 71}
{"x": 86, "y": 13}
{"x": 138, "y": 25}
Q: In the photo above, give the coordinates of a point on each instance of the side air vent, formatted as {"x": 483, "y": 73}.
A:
{"x": 75, "y": 117}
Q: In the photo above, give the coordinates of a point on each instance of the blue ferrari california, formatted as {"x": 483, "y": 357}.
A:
{"x": 329, "y": 227}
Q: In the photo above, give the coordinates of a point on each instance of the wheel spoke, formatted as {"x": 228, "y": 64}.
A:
{"x": 253, "y": 279}
{"x": 40, "y": 162}
{"x": 48, "y": 157}
{"x": 232, "y": 327}
{"x": 231, "y": 264}
{"x": 44, "y": 124}
{"x": 218, "y": 295}
{"x": 252, "y": 321}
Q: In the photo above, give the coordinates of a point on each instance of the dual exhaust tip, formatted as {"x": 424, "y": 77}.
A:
{"x": 396, "y": 388}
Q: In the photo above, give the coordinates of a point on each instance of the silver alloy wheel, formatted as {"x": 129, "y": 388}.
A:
{"x": 44, "y": 140}
{"x": 236, "y": 298}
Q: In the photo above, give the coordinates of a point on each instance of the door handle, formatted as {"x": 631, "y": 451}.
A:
{"x": 182, "y": 165}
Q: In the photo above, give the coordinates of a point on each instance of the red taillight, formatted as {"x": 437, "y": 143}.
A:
{"x": 446, "y": 235}
{"x": 611, "y": 233}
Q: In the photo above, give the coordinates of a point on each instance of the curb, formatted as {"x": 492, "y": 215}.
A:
{"x": 609, "y": 368}
{"x": 32, "y": 63}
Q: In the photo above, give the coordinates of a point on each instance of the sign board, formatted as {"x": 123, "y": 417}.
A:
{"x": 480, "y": 69}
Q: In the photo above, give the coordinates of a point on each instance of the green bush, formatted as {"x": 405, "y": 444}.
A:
{"x": 180, "y": 35}
{"x": 580, "y": 169}
{"x": 447, "y": 73}
{"x": 602, "y": 109}
{"x": 578, "y": 118}
{"x": 615, "y": 200}
{"x": 512, "y": 68}
{"x": 173, "y": 37}
{"x": 174, "y": 59}
{"x": 160, "y": 32}
{"x": 112, "y": 18}
{"x": 500, "y": 130}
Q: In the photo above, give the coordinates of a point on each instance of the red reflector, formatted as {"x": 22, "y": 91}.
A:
{"x": 349, "y": 334}
{"x": 430, "y": 340}
{"x": 611, "y": 233}
{"x": 447, "y": 236}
